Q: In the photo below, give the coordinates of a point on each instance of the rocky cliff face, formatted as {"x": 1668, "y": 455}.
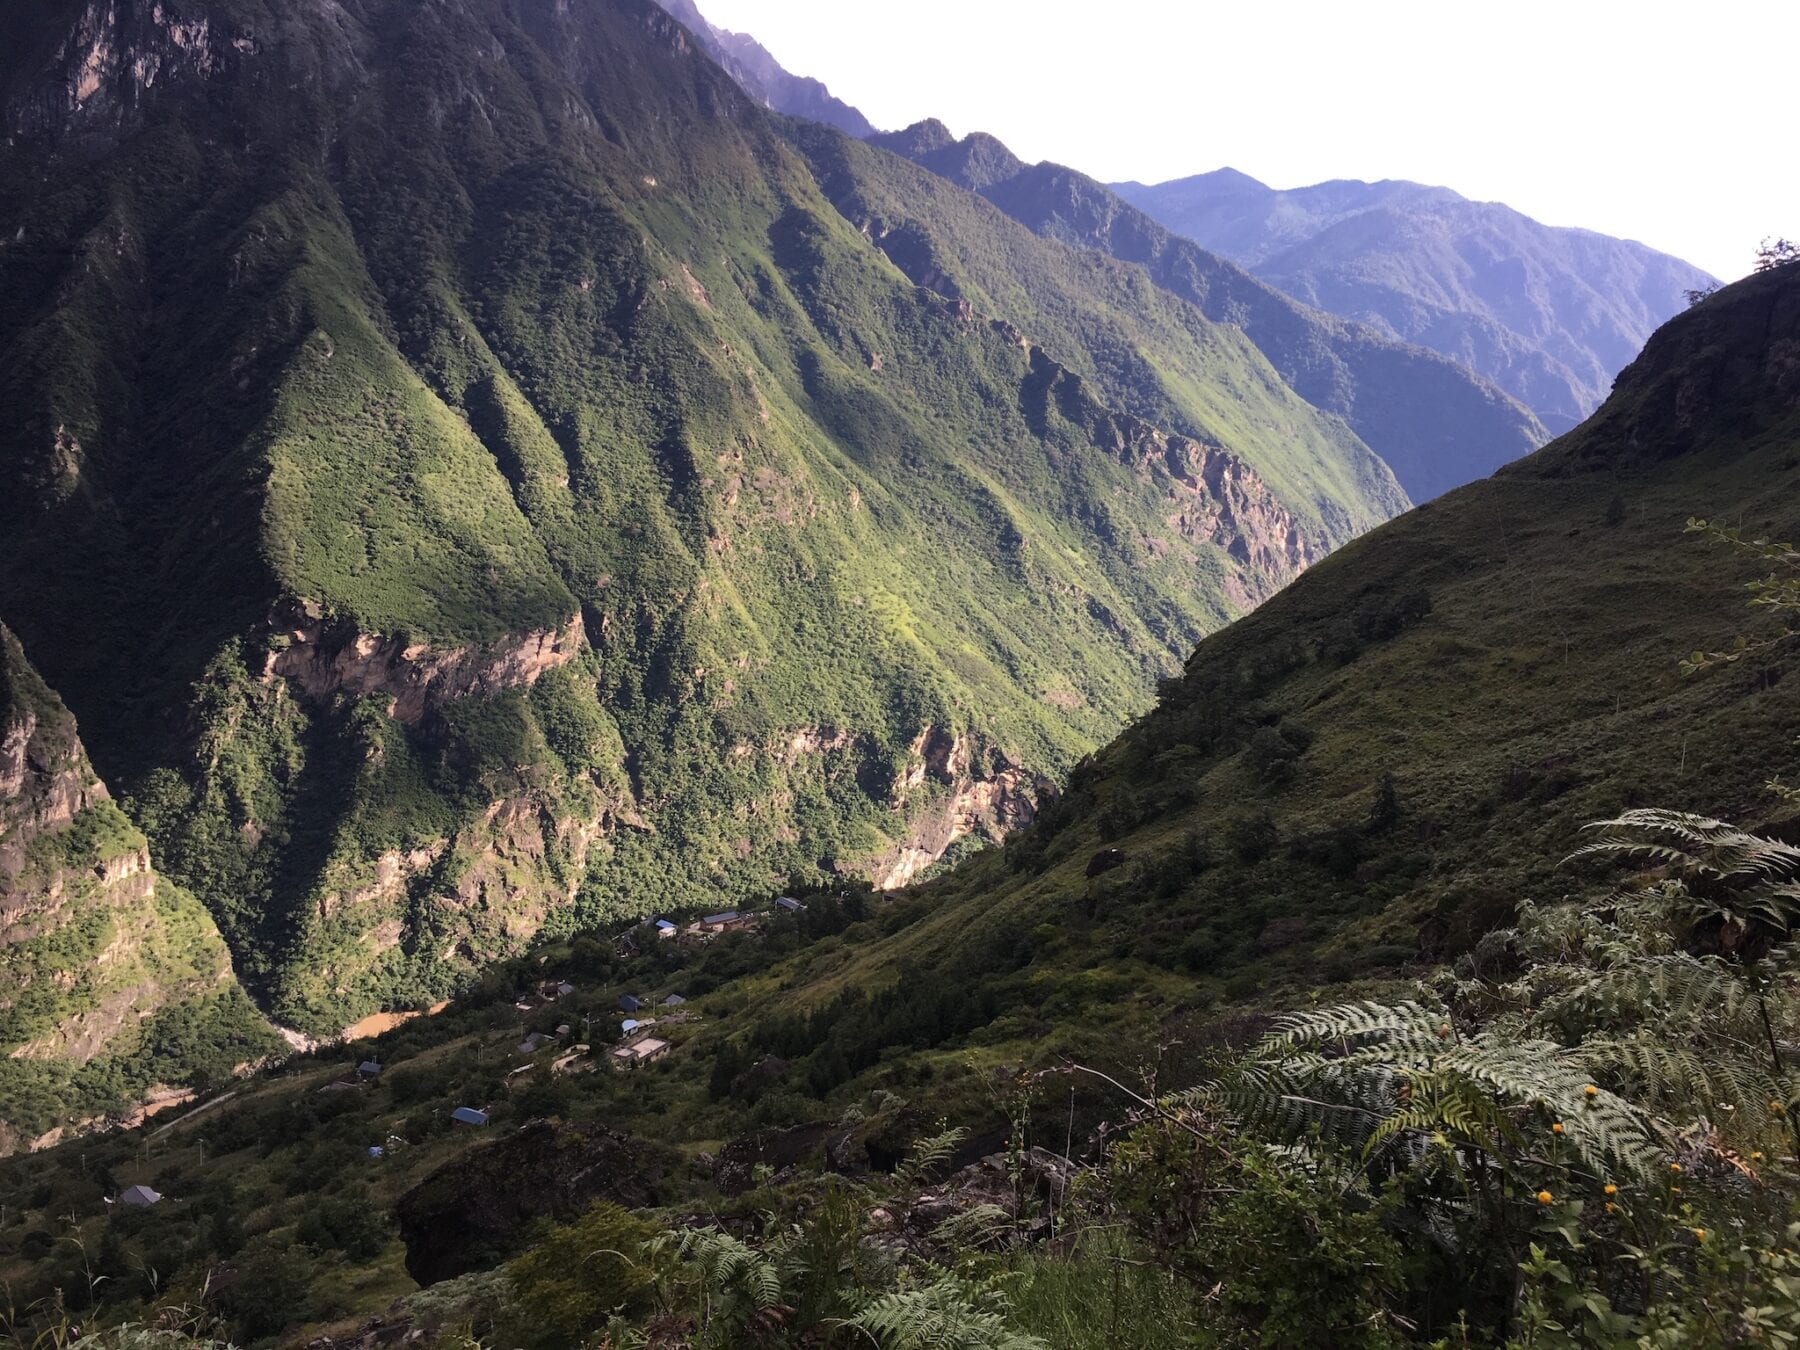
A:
{"x": 94, "y": 948}
{"x": 102, "y": 66}
{"x": 954, "y": 785}
{"x": 414, "y": 677}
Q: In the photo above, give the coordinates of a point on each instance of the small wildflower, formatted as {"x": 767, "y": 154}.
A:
{"x": 1591, "y": 1091}
{"x": 1611, "y": 1208}
{"x": 1699, "y": 1235}
{"x": 1556, "y": 1128}
{"x": 1544, "y": 1197}
{"x": 1756, "y": 1156}
{"x": 1675, "y": 1167}
{"x": 1611, "y": 1189}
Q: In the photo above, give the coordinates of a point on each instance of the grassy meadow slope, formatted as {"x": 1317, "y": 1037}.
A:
{"x": 1434, "y": 422}
{"x": 470, "y": 480}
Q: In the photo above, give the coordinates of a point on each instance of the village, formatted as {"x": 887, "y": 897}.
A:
{"x": 643, "y": 1026}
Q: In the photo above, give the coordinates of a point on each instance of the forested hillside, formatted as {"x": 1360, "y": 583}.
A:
{"x": 1539, "y": 1089}
{"x": 470, "y": 481}
{"x": 1435, "y": 422}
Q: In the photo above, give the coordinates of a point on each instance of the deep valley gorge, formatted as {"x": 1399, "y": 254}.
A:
{"x": 636, "y": 713}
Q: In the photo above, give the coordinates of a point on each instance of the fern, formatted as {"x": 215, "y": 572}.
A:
{"x": 926, "y": 1157}
{"x": 949, "y": 1314}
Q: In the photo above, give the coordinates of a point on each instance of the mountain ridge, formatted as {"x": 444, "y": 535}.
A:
{"x": 1436, "y": 423}
{"x": 1550, "y": 313}
{"x": 765, "y": 79}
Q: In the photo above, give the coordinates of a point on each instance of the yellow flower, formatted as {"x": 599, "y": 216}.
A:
{"x": 1700, "y": 1235}
{"x": 1756, "y": 1156}
{"x": 1544, "y": 1197}
{"x": 1675, "y": 1167}
{"x": 1591, "y": 1090}
{"x": 1556, "y": 1128}
{"x": 1611, "y": 1189}
{"x": 1611, "y": 1208}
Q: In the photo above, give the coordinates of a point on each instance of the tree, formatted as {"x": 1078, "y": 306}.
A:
{"x": 1773, "y": 253}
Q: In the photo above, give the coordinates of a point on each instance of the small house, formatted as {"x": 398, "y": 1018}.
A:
{"x": 665, "y": 929}
{"x": 377, "y": 1151}
{"x": 629, "y": 1025}
{"x": 787, "y": 902}
{"x": 468, "y": 1115}
{"x": 369, "y": 1069}
{"x": 563, "y": 1029}
{"x": 639, "y": 1053}
{"x": 139, "y": 1197}
{"x": 631, "y": 1002}
{"x": 718, "y": 923}
{"x": 534, "y": 1042}
{"x": 673, "y": 1001}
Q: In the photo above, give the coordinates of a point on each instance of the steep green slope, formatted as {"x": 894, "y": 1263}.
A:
{"x": 469, "y": 479}
{"x": 1434, "y": 423}
{"x": 1377, "y": 766}
{"x": 111, "y": 979}
{"x": 1507, "y": 654}
{"x": 1550, "y": 315}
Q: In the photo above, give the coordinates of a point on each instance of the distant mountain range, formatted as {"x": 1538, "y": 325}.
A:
{"x": 1436, "y": 423}
{"x": 1548, "y": 314}
{"x": 763, "y": 78}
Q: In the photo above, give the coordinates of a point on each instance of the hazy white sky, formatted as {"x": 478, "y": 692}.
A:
{"x": 1671, "y": 123}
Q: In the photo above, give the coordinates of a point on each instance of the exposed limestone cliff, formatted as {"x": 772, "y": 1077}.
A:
{"x": 116, "y": 52}
{"x": 967, "y": 786}
{"x": 415, "y": 677}
{"x": 1214, "y": 496}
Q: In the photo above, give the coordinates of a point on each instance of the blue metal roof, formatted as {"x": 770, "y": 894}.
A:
{"x": 664, "y": 923}
{"x": 725, "y": 917}
{"x": 468, "y": 1115}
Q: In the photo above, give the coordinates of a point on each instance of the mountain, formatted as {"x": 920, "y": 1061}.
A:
{"x": 1342, "y": 798}
{"x": 1382, "y": 763}
{"x": 472, "y": 480}
{"x": 1550, "y": 315}
{"x": 112, "y": 980}
{"x": 762, "y": 77}
{"x": 1437, "y": 425}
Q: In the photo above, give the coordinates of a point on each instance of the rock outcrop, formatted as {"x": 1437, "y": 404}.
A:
{"x": 968, "y": 787}
{"x": 472, "y": 1212}
{"x": 413, "y": 676}
{"x": 92, "y": 943}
